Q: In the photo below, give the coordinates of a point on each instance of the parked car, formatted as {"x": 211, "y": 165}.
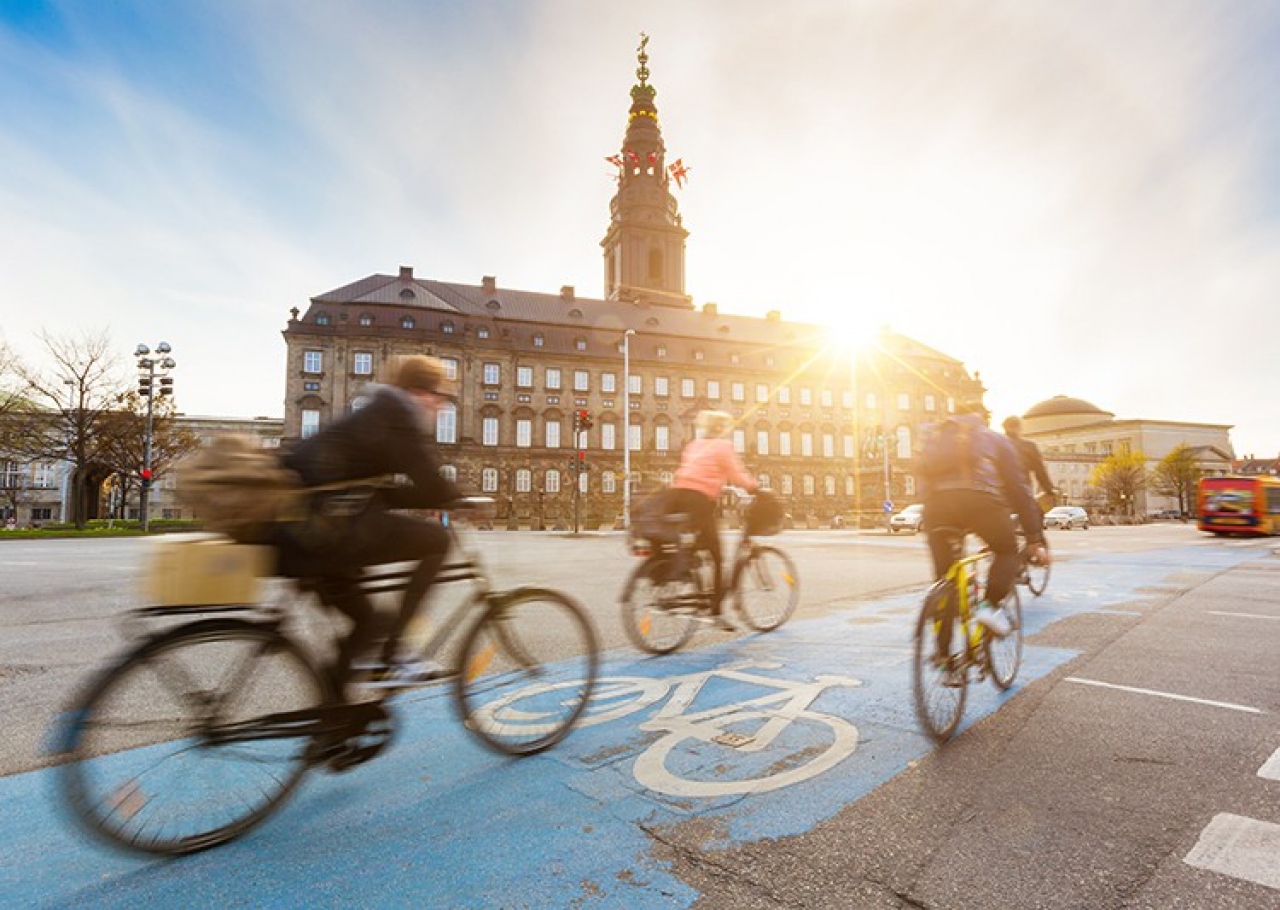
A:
{"x": 1066, "y": 517}
{"x": 1166, "y": 515}
{"x": 908, "y": 519}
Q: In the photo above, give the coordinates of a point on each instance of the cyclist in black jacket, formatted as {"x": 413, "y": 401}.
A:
{"x": 391, "y": 435}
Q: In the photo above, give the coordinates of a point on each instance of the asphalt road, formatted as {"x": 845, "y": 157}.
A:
{"x": 1136, "y": 764}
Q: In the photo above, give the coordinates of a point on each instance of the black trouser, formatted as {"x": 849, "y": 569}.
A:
{"x": 702, "y": 518}
{"x": 373, "y": 538}
{"x": 986, "y": 515}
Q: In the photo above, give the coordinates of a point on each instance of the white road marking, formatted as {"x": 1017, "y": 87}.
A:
{"x": 1171, "y": 695}
{"x": 1270, "y": 769}
{"x": 1240, "y": 847}
{"x": 1241, "y": 615}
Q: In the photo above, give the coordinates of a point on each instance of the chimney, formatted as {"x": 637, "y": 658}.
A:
{"x": 566, "y": 292}
{"x": 710, "y": 309}
{"x": 406, "y": 273}
{"x": 489, "y": 283}
{"x": 773, "y": 315}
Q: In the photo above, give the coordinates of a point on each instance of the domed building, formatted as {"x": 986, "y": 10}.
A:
{"x": 1075, "y": 436}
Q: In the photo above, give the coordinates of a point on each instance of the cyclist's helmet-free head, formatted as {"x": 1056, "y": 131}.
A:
{"x": 765, "y": 514}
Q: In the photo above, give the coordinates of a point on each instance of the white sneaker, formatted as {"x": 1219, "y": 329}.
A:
{"x": 991, "y": 619}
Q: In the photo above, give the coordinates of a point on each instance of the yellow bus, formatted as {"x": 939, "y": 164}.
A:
{"x": 1239, "y": 505}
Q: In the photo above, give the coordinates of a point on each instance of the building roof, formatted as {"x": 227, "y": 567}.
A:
{"x": 1065, "y": 406}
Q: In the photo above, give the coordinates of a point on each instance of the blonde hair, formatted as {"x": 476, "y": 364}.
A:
{"x": 417, "y": 373}
{"x": 714, "y": 424}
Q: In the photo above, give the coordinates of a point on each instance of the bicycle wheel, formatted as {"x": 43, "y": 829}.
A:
{"x": 146, "y": 769}
{"x": 939, "y": 674}
{"x": 766, "y": 588}
{"x": 1036, "y": 575}
{"x": 659, "y": 613}
{"x": 535, "y": 646}
{"x": 1004, "y": 655}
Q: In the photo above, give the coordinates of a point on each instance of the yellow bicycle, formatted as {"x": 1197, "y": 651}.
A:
{"x": 951, "y": 649}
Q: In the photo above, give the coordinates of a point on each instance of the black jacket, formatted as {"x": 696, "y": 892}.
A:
{"x": 386, "y": 436}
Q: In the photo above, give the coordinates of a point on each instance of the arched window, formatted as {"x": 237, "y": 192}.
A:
{"x": 322, "y": 319}
{"x": 366, "y": 319}
{"x": 449, "y": 473}
{"x": 553, "y": 481}
{"x": 524, "y": 480}
{"x": 489, "y": 480}
{"x": 447, "y": 424}
{"x": 608, "y": 482}
{"x": 407, "y": 322}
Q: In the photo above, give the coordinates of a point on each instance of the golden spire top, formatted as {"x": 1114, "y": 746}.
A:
{"x": 642, "y": 72}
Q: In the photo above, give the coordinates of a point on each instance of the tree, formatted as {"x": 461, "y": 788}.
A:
{"x": 123, "y": 447}
{"x": 1178, "y": 474}
{"x": 1119, "y": 478}
{"x": 68, "y": 405}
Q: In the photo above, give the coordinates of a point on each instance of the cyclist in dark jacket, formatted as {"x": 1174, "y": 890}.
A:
{"x": 972, "y": 477}
{"x": 391, "y": 435}
{"x": 1032, "y": 462}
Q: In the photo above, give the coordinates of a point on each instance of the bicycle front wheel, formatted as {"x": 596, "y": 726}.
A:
{"x": 1004, "y": 655}
{"x": 1037, "y": 576}
{"x": 766, "y": 588}
{"x": 146, "y": 767}
{"x": 528, "y": 668}
{"x": 659, "y": 612}
{"x": 939, "y": 667}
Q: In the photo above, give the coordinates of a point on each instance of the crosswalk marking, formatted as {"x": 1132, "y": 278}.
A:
{"x": 1240, "y": 847}
{"x": 1270, "y": 769}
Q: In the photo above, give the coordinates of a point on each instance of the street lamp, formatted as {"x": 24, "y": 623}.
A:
{"x": 147, "y": 387}
{"x": 626, "y": 428}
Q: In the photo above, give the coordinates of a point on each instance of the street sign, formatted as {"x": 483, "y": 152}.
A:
{"x": 888, "y": 506}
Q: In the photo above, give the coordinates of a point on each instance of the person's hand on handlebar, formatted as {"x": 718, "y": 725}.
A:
{"x": 1038, "y": 554}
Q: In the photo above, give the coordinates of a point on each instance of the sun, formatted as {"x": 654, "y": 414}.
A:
{"x": 851, "y": 341}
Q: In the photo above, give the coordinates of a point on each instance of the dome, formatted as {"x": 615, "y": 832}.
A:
{"x": 1061, "y": 412}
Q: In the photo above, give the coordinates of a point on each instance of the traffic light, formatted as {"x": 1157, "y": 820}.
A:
{"x": 145, "y": 473}
{"x": 582, "y": 420}
{"x": 144, "y": 385}
{"x": 582, "y": 462}
{"x": 166, "y": 385}
{"x": 573, "y": 464}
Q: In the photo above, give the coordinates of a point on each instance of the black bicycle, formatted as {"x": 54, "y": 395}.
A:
{"x": 200, "y": 731}
{"x": 668, "y": 595}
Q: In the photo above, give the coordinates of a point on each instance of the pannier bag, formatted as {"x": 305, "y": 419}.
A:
{"x": 764, "y": 514}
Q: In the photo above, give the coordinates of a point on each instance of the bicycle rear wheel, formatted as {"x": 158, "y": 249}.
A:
{"x": 528, "y": 667}
{"x": 659, "y": 612}
{"x": 766, "y": 588}
{"x": 939, "y": 669}
{"x": 1004, "y": 655}
{"x": 146, "y": 769}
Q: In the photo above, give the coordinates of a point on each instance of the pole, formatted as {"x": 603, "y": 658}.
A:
{"x": 626, "y": 428}
{"x": 145, "y": 496}
{"x": 888, "y": 489}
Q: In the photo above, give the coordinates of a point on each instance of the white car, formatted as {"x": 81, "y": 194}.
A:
{"x": 1066, "y": 517}
{"x": 908, "y": 519}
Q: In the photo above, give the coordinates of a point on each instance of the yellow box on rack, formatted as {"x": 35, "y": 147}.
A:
{"x": 205, "y": 569}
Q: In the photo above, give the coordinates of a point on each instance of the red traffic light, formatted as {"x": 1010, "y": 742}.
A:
{"x": 583, "y": 420}
{"x": 146, "y": 473}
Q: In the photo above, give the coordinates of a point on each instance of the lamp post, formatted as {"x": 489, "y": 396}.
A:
{"x": 147, "y": 385}
{"x": 626, "y": 428}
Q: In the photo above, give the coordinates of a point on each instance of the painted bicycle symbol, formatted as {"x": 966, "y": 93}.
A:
{"x": 749, "y": 746}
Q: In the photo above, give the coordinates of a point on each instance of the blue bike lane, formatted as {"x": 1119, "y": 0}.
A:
{"x": 763, "y": 736}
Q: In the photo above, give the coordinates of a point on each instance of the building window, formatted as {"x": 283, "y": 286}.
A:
{"x": 827, "y": 399}
{"x": 42, "y": 478}
{"x": 580, "y": 344}
{"x": 312, "y": 362}
{"x": 904, "y": 401}
{"x": 904, "y": 442}
{"x": 450, "y": 368}
{"x": 686, "y": 388}
{"x": 553, "y": 481}
{"x": 524, "y": 377}
{"x": 848, "y": 445}
{"x": 310, "y": 422}
{"x": 661, "y": 350}
{"x": 608, "y": 439}
{"x": 492, "y": 373}
{"x": 482, "y": 332}
{"x": 806, "y": 445}
{"x": 784, "y": 442}
{"x": 524, "y": 433}
{"x": 366, "y": 319}
{"x": 608, "y": 383}
{"x": 633, "y": 437}
{"x": 311, "y": 387}
{"x": 406, "y": 322}
{"x": 322, "y": 319}
{"x": 846, "y": 399}
{"x": 581, "y": 381}
{"x": 552, "y": 432}
{"x": 849, "y": 486}
{"x": 735, "y": 358}
{"x": 699, "y": 355}
{"x": 784, "y": 394}
{"x": 539, "y": 340}
{"x": 829, "y": 485}
{"x": 951, "y": 405}
{"x": 362, "y": 364}
{"x": 553, "y": 378}
{"x": 806, "y": 396}
{"x": 762, "y": 442}
{"x": 762, "y": 393}
{"x": 449, "y": 473}
{"x": 524, "y": 480}
{"x": 808, "y": 485}
{"x": 661, "y": 386}
{"x": 828, "y": 445}
{"x": 713, "y": 389}
{"x": 447, "y": 424}
{"x": 869, "y": 401}
{"x": 608, "y": 482}
{"x": 446, "y": 327}
{"x": 739, "y": 440}
{"x": 489, "y": 431}
{"x": 662, "y": 438}
{"x": 633, "y": 382}
{"x": 45, "y": 514}
{"x": 489, "y": 480}
{"x": 930, "y": 403}
{"x": 786, "y": 484}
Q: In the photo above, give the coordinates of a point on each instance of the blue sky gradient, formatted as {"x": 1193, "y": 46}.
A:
{"x": 1072, "y": 198}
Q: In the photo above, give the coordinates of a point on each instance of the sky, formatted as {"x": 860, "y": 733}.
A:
{"x": 1073, "y": 198}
